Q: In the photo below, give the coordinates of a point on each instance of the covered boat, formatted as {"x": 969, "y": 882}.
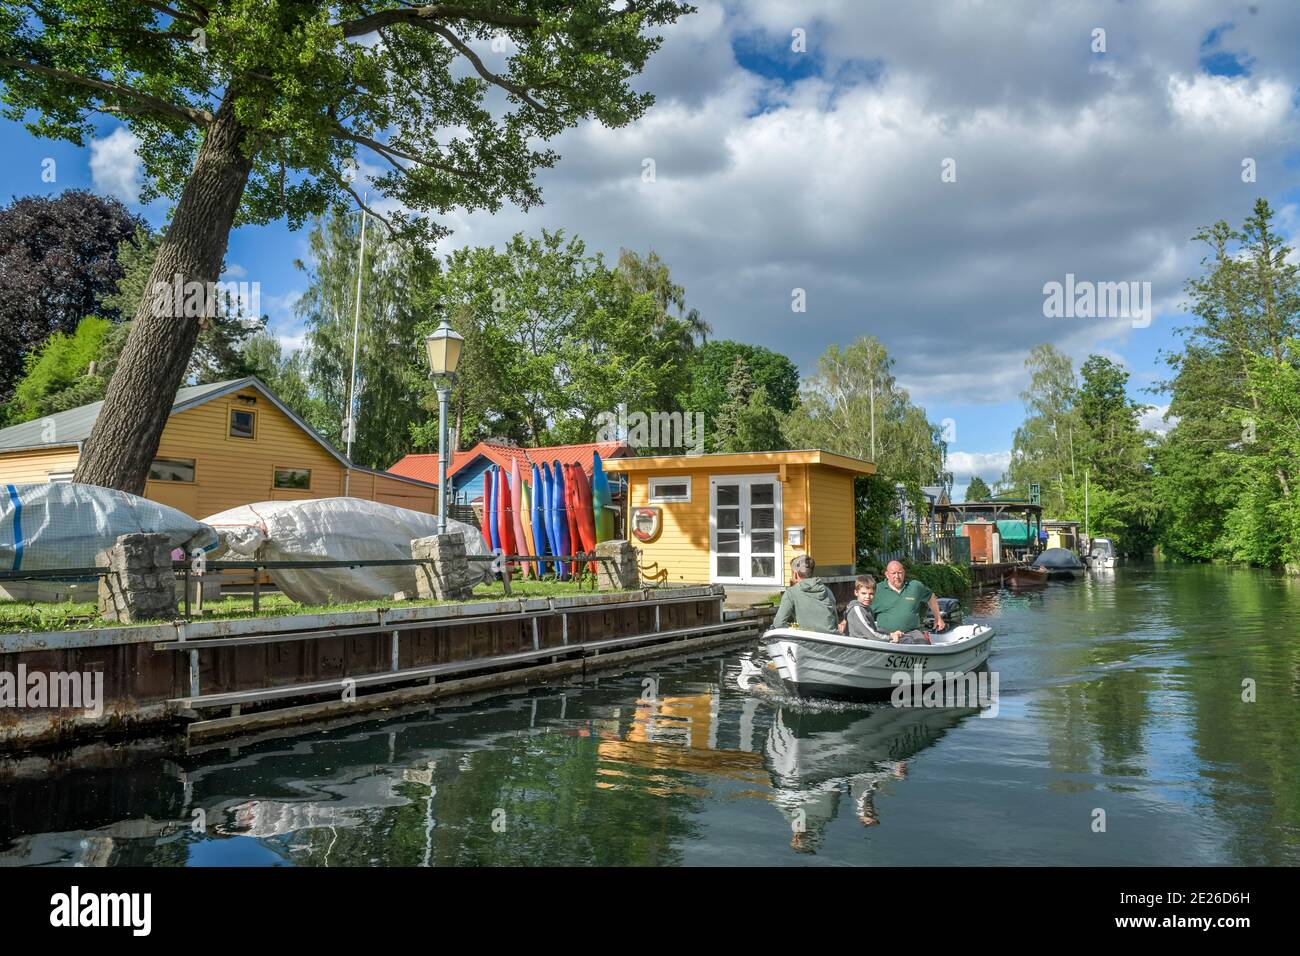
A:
{"x": 1059, "y": 562}
{"x": 812, "y": 664}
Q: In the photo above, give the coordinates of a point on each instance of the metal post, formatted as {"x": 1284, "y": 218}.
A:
{"x": 443, "y": 394}
{"x": 356, "y": 336}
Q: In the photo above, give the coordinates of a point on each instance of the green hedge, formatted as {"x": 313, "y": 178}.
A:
{"x": 945, "y": 580}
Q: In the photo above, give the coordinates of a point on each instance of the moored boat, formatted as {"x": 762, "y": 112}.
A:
{"x": 1059, "y": 563}
{"x": 1101, "y": 554}
{"x": 812, "y": 664}
{"x": 1025, "y": 576}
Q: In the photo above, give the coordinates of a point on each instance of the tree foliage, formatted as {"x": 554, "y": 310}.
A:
{"x": 978, "y": 490}
{"x": 59, "y": 260}
{"x": 1226, "y": 471}
{"x": 554, "y": 337}
{"x": 746, "y": 421}
{"x": 249, "y": 111}
{"x": 711, "y": 366}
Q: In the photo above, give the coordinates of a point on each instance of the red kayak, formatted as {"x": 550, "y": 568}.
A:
{"x": 505, "y": 533}
{"x": 571, "y": 513}
{"x": 586, "y": 517}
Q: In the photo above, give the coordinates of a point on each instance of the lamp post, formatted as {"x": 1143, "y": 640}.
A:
{"x": 443, "y": 348}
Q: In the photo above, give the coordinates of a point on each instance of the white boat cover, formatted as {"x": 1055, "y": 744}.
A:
{"x": 44, "y": 527}
{"x": 336, "y": 529}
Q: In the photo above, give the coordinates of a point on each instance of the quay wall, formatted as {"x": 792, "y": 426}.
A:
{"x": 156, "y": 676}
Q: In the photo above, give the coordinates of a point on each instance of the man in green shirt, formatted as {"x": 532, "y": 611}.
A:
{"x": 898, "y": 604}
{"x": 807, "y": 603}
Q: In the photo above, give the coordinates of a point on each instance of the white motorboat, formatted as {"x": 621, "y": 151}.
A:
{"x": 813, "y": 664}
{"x": 1101, "y": 554}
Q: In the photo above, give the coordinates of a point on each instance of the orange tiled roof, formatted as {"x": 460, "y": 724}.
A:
{"x": 425, "y": 467}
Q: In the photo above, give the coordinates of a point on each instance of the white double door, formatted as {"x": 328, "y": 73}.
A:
{"x": 745, "y": 529}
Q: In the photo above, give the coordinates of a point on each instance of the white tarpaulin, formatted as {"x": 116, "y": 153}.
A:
{"x": 64, "y": 525}
{"x": 336, "y": 529}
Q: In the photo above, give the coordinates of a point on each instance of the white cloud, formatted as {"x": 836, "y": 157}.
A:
{"x": 989, "y": 465}
{"x": 1066, "y": 163}
{"x": 115, "y": 166}
{"x": 1153, "y": 419}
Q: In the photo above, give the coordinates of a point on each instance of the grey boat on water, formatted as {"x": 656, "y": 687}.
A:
{"x": 1060, "y": 563}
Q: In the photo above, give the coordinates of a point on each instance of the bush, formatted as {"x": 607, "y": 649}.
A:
{"x": 945, "y": 580}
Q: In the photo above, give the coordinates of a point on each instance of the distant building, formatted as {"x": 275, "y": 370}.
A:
{"x": 225, "y": 444}
{"x": 465, "y": 471}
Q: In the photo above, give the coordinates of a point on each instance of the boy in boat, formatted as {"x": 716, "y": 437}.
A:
{"x": 859, "y": 620}
{"x": 808, "y": 603}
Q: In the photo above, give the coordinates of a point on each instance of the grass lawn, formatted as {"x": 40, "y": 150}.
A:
{"x": 20, "y": 616}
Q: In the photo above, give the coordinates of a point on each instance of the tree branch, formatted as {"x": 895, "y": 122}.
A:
{"x": 388, "y": 152}
{"x": 188, "y": 113}
{"x": 483, "y": 71}
{"x": 174, "y": 14}
{"x": 361, "y": 203}
{"x": 433, "y": 11}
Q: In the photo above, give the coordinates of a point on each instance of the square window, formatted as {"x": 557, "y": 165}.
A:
{"x": 670, "y": 490}
{"x": 295, "y": 478}
{"x": 728, "y": 496}
{"x": 762, "y": 567}
{"x": 171, "y": 469}
{"x": 242, "y": 423}
{"x": 729, "y": 519}
{"x": 728, "y": 567}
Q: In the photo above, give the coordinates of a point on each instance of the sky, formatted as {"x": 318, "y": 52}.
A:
{"x": 920, "y": 171}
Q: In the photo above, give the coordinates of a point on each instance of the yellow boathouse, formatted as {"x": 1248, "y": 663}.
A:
{"x": 739, "y": 519}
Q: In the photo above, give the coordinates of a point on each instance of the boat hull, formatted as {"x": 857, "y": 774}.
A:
{"x": 811, "y": 664}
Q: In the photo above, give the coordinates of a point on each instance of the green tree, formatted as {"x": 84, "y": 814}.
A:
{"x": 65, "y": 372}
{"x": 390, "y": 353}
{"x": 854, "y": 406}
{"x": 1044, "y": 449}
{"x": 710, "y": 367}
{"x": 746, "y": 421}
{"x": 250, "y": 111}
{"x": 218, "y": 352}
{"x": 978, "y": 490}
{"x": 554, "y": 338}
{"x": 1225, "y": 473}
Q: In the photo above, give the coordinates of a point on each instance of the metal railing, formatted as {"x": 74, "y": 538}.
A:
{"x": 187, "y": 574}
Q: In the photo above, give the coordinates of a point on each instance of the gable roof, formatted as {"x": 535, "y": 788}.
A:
{"x": 425, "y": 467}
{"x": 73, "y": 427}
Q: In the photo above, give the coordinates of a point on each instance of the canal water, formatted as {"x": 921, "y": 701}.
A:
{"x": 1148, "y": 715}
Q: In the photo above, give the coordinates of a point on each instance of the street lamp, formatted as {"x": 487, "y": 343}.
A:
{"x": 443, "y": 348}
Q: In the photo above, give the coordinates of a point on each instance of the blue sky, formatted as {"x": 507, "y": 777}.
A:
{"x": 820, "y": 169}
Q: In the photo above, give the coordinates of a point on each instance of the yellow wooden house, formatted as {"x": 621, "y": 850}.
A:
{"x": 225, "y": 444}
{"x": 739, "y": 519}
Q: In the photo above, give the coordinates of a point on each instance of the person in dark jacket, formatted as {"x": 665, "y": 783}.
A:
{"x": 807, "y": 603}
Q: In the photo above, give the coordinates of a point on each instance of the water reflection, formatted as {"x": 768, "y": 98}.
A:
{"x": 1127, "y": 691}
{"x": 819, "y": 757}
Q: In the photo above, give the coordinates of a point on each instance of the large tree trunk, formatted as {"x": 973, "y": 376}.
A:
{"x": 140, "y": 396}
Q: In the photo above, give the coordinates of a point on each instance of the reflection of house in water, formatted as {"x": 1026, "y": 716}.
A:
{"x": 677, "y": 734}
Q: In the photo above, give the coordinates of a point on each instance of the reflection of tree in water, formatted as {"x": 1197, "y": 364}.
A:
{"x": 819, "y": 758}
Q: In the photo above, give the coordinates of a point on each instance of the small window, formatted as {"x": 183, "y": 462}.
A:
{"x": 171, "y": 469}
{"x": 669, "y": 490}
{"x": 242, "y": 423}
{"x": 297, "y": 478}
{"x": 59, "y": 477}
